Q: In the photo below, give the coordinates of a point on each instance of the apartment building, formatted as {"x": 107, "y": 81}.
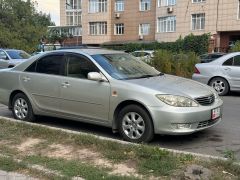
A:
{"x": 177, "y": 18}
{"x": 120, "y": 21}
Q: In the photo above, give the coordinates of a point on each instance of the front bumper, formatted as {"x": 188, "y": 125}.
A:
{"x": 167, "y": 119}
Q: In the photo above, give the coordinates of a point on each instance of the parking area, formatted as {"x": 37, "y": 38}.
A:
{"x": 221, "y": 140}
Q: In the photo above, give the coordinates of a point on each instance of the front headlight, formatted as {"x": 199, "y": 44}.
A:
{"x": 177, "y": 101}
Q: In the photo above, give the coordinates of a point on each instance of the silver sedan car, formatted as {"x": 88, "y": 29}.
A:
{"x": 109, "y": 88}
{"x": 223, "y": 74}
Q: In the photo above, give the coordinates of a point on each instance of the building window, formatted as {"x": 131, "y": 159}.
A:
{"x": 198, "y": 21}
{"x": 119, "y": 29}
{"x": 98, "y": 28}
{"x": 198, "y": 1}
{"x": 73, "y": 18}
{"x": 166, "y": 3}
{"x": 119, "y": 5}
{"x": 73, "y": 4}
{"x": 167, "y": 24}
{"x": 96, "y": 6}
{"x": 239, "y": 9}
{"x": 145, "y": 5}
{"x": 144, "y": 29}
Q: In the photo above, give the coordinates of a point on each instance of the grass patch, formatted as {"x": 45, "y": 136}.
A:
{"x": 147, "y": 160}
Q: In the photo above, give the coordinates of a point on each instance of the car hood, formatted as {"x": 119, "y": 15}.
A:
{"x": 17, "y": 61}
{"x": 168, "y": 84}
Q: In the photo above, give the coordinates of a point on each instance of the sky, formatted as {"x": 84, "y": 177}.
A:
{"x": 52, "y": 7}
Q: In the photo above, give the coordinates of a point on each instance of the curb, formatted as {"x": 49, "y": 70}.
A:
{"x": 200, "y": 156}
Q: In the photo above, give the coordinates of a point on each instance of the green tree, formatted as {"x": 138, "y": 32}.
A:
{"x": 236, "y": 47}
{"x": 56, "y": 35}
{"x": 21, "y": 26}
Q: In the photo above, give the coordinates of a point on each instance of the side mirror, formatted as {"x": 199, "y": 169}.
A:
{"x": 95, "y": 76}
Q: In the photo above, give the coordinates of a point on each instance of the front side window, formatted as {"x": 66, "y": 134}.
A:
{"x": 79, "y": 66}
{"x": 144, "y": 29}
{"x": 52, "y": 64}
{"x": 119, "y": 5}
{"x": 119, "y": 29}
{"x": 145, "y": 5}
{"x": 198, "y": 21}
{"x": 98, "y": 28}
{"x": 198, "y": 1}
{"x": 97, "y": 6}
{"x": 124, "y": 66}
{"x": 166, "y": 3}
{"x": 167, "y": 24}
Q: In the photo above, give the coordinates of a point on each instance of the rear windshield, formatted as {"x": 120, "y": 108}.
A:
{"x": 18, "y": 54}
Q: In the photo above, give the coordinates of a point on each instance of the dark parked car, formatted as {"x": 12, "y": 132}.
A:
{"x": 209, "y": 57}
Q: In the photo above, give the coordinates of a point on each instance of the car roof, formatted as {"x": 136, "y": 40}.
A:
{"x": 149, "y": 51}
{"x": 224, "y": 57}
{"x": 10, "y": 49}
{"x": 89, "y": 51}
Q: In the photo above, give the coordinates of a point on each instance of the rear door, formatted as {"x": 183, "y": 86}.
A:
{"x": 42, "y": 81}
{"x": 231, "y": 68}
{"x": 80, "y": 96}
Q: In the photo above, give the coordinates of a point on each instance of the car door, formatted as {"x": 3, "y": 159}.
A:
{"x": 231, "y": 68}
{"x": 3, "y": 60}
{"x": 42, "y": 81}
{"x": 80, "y": 96}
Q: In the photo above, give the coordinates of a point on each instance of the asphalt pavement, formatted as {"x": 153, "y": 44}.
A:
{"x": 221, "y": 140}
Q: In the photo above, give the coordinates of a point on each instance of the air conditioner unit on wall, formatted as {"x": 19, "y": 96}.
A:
{"x": 170, "y": 9}
{"x": 117, "y": 15}
{"x": 140, "y": 37}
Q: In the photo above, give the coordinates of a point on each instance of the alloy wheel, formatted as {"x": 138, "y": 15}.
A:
{"x": 133, "y": 125}
{"x": 21, "y": 108}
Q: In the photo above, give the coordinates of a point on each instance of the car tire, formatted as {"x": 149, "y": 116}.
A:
{"x": 135, "y": 124}
{"x": 220, "y": 85}
{"x": 22, "y": 108}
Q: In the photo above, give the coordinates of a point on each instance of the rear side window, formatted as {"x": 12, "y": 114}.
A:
{"x": 52, "y": 64}
{"x": 228, "y": 62}
{"x": 236, "y": 61}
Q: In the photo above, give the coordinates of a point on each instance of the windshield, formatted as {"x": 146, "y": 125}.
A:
{"x": 125, "y": 66}
{"x": 18, "y": 54}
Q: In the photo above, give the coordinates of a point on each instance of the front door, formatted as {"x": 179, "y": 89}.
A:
{"x": 82, "y": 97}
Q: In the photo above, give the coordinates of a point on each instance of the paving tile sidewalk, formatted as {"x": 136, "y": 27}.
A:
{"x": 14, "y": 176}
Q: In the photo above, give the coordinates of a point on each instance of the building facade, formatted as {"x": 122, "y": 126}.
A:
{"x": 121, "y": 21}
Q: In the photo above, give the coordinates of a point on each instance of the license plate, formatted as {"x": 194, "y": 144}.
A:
{"x": 216, "y": 113}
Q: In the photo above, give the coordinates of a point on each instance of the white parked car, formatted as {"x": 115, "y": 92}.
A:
{"x": 145, "y": 55}
{"x": 11, "y": 57}
{"x": 223, "y": 74}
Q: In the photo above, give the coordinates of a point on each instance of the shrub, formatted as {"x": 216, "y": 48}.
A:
{"x": 236, "y": 47}
{"x": 180, "y": 64}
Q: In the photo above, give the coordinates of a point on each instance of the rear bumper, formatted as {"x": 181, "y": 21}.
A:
{"x": 168, "y": 119}
{"x": 200, "y": 78}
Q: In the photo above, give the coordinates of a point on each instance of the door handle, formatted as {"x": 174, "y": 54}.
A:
{"x": 26, "y": 79}
{"x": 65, "y": 85}
{"x": 227, "y": 69}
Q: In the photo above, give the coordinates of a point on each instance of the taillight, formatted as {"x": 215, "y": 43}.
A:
{"x": 196, "y": 71}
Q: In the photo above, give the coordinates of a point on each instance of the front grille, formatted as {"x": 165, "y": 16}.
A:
{"x": 206, "y": 101}
{"x": 207, "y": 123}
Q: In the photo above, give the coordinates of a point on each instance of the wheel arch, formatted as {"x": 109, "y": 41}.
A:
{"x": 219, "y": 77}
{"x": 123, "y": 104}
{"x": 12, "y": 96}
